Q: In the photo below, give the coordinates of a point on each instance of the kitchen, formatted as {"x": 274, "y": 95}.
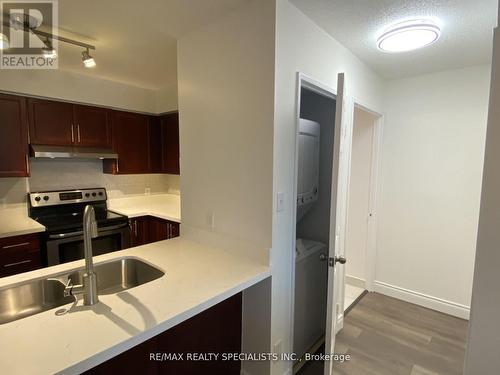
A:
{"x": 75, "y": 137}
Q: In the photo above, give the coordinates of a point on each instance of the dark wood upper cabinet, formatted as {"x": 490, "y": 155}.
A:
{"x": 93, "y": 126}
{"x": 13, "y": 137}
{"x": 130, "y": 142}
{"x": 51, "y": 122}
{"x": 164, "y": 144}
{"x": 170, "y": 138}
{"x": 156, "y": 145}
{"x": 144, "y": 143}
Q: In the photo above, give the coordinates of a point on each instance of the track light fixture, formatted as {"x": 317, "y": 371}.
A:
{"x": 87, "y": 59}
{"x": 30, "y": 25}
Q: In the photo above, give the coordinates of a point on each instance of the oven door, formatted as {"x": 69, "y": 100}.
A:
{"x": 67, "y": 247}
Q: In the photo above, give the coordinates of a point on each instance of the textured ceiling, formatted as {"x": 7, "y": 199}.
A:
{"x": 136, "y": 40}
{"x": 467, "y": 31}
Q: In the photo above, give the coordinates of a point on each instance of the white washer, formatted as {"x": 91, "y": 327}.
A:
{"x": 311, "y": 278}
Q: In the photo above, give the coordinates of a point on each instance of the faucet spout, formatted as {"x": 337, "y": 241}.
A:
{"x": 90, "y": 296}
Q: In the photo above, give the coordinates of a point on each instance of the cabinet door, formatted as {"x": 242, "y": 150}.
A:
{"x": 158, "y": 229}
{"x": 51, "y": 123}
{"x": 19, "y": 254}
{"x": 13, "y": 137}
{"x": 131, "y": 143}
{"x": 156, "y": 144}
{"x": 139, "y": 231}
{"x": 170, "y": 137}
{"x": 92, "y": 125}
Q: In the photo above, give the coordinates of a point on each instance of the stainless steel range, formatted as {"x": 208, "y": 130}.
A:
{"x": 61, "y": 212}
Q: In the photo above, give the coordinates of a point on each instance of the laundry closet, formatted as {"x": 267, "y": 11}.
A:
{"x": 314, "y": 183}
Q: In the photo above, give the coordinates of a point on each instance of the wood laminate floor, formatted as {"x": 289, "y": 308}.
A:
{"x": 387, "y": 336}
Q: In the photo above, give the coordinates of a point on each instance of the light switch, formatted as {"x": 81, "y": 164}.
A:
{"x": 280, "y": 202}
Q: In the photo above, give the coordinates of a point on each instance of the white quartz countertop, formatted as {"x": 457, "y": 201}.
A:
{"x": 163, "y": 206}
{"x": 74, "y": 338}
{"x": 15, "y": 222}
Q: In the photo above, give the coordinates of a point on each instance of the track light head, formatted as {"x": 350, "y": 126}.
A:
{"x": 48, "y": 51}
{"x": 87, "y": 59}
{"x": 4, "y": 42}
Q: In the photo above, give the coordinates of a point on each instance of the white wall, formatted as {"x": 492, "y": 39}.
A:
{"x": 302, "y": 46}
{"x": 226, "y": 87}
{"x": 166, "y": 99}
{"x": 431, "y": 165}
{"x": 226, "y": 107}
{"x": 60, "y": 84}
{"x": 359, "y": 193}
{"x": 484, "y": 333}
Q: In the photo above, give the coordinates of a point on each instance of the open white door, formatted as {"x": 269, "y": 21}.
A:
{"x": 338, "y": 219}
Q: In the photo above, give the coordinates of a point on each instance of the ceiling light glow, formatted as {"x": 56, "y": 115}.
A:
{"x": 4, "y": 41}
{"x": 409, "y": 35}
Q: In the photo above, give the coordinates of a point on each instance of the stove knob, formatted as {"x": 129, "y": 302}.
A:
{"x": 87, "y": 195}
{"x": 94, "y": 194}
{"x": 46, "y": 198}
{"x": 100, "y": 193}
{"x": 37, "y": 199}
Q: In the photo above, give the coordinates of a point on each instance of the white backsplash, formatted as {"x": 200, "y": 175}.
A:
{"x": 49, "y": 174}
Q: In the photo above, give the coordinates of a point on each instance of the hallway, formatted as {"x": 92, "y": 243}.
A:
{"x": 386, "y": 336}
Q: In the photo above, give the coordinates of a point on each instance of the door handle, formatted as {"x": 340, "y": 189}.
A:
{"x": 332, "y": 261}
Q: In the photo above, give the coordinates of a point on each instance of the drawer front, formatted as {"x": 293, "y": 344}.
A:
{"x": 20, "y": 262}
{"x": 28, "y": 242}
{"x": 19, "y": 254}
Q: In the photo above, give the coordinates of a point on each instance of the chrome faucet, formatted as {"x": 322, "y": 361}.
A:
{"x": 89, "y": 286}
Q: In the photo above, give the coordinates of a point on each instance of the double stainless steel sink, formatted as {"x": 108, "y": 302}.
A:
{"x": 36, "y": 296}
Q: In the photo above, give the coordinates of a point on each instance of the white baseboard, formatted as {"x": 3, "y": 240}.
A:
{"x": 355, "y": 281}
{"x": 434, "y": 303}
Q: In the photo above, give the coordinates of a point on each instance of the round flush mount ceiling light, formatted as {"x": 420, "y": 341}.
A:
{"x": 409, "y": 35}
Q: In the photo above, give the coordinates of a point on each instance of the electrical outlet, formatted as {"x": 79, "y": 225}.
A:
{"x": 147, "y": 191}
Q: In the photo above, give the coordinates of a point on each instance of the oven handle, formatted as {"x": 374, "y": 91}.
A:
{"x": 80, "y": 232}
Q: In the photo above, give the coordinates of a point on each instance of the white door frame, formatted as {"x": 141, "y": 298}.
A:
{"x": 371, "y": 241}
{"x": 329, "y": 92}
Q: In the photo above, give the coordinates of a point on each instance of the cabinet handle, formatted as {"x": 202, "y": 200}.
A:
{"x": 17, "y": 263}
{"x": 72, "y": 134}
{"x": 135, "y": 227}
{"x": 78, "y": 132}
{"x": 28, "y": 164}
{"x": 117, "y": 167}
{"x": 15, "y": 245}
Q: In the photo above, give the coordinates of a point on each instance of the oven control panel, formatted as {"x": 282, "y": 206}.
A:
{"x": 53, "y": 198}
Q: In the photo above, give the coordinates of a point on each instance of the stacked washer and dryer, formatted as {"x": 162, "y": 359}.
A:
{"x": 310, "y": 271}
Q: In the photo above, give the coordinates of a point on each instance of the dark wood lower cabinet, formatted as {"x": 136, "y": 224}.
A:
{"x": 216, "y": 330}
{"x": 148, "y": 229}
{"x": 19, "y": 254}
